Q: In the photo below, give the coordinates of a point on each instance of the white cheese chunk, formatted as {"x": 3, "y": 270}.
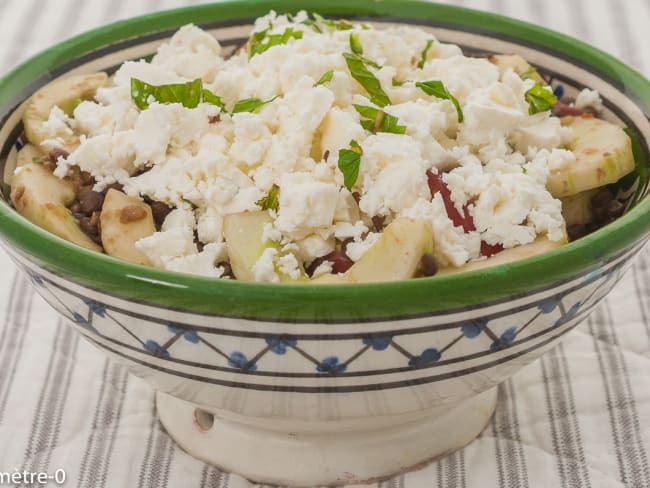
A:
{"x": 305, "y": 205}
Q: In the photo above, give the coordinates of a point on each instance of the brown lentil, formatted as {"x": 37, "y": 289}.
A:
{"x": 428, "y": 265}
{"x": 132, "y": 213}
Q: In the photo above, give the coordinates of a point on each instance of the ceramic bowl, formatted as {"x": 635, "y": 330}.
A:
{"x": 328, "y": 384}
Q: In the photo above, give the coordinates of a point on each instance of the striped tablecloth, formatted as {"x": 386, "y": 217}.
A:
{"x": 579, "y": 417}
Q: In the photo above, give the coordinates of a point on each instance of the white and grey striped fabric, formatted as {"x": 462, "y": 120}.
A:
{"x": 579, "y": 417}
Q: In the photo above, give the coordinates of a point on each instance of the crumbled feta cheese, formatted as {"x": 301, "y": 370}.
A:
{"x": 396, "y": 188}
{"x": 203, "y": 263}
{"x": 305, "y": 205}
{"x": 179, "y": 217}
{"x": 540, "y": 131}
{"x": 264, "y": 268}
{"x": 326, "y": 267}
{"x": 347, "y": 230}
{"x": 314, "y": 246}
{"x": 589, "y": 99}
{"x": 57, "y": 124}
{"x": 288, "y": 265}
{"x": 191, "y": 53}
{"x": 452, "y": 246}
{"x": 358, "y": 248}
{"x": 108, "y": 157}
{"x": 163, "y": 246}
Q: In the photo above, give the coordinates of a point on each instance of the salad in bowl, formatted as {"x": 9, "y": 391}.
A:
{"x": 321, "y": 151}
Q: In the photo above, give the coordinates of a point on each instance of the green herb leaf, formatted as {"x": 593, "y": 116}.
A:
{"x": 333, "y": 24}
{"x": 425, "y": 51}
{"x": 209, "y": 97}
{"x": 376, "y": 120}
{"x": 349, "y": 162}
{"x": 532, "y": 74}
{"x": 37, "y": 160}
{"x": 327, "y": 76}
{"x": 539, "y": 99}
{"x": 397, "y": 82}
{"x": 270, "y": 201}
{"x": 355, "y": 43}
{"x": 188, "y": 94}
{"x": 437, "y": 89}
{"x": 263, "y": 41}
{"x": 250, "y": 105}
{"x": 357, "y": 66}
{"x": 313, "y": 25}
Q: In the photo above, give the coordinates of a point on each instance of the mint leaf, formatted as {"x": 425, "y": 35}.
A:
{"x": 355, "y": 43}
{"x": 333, "y": 24}
{"x": 261, "y": 41}
{"x": 437, "y": 89}
{"x": 313, "y": 25}
{"x": 188, "y": 94}
{"x": 349, "y": 162}
{"x": 327, "y": 76}
{"x": 209, "y": 97}
{"x": 357, "y": 66}
{"x": 270, "y": 201}
{"x": 376, "y": 120}
{"x": 425, "y": 51}
{"x": 532, "y": 74}
{"x": 539, "y": 99}
{"x": 250, "y": 105}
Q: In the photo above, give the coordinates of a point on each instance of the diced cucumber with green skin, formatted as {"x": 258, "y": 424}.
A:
{"x": 42, "y": 198}
{"x": 577, "y": 209}
{"x": 119, "y": 235}
{"x": 541, "y": 245}
{"x": 243, "y": 233}
{"x": 64, "y": 94}
{"x": 395, "y": 256}
{"x": 603, "y": 155}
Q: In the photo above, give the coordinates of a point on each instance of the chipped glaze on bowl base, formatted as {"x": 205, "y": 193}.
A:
{"x": 286, "y": 452}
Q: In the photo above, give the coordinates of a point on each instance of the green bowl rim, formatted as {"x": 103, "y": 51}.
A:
{"x": 300, "y": 302}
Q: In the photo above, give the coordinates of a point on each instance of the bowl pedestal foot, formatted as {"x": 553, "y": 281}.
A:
{"x": 305, "y": 453}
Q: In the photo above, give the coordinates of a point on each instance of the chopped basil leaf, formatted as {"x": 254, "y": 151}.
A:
{"x": 188, "y": 94}
{"x": 437, "y": 89}
{"x": 313, "y": 25}
{"x": 532, "y": 74}
{"x": 376, "y": 120}
{"x": 397, "y": 82}
{"x": 333, "y": 24}
{"x": 327, "y": 76}
{"x": 425, "y": 51}
{"x": 270, "y": 201}
{"x": 262, "y": 41}
{"x": 355, "y": 43}
{"x": 209, "y": 97}
{"x": 250, "y": 105}
{"x": 349, "y": 162}
{"x": 37, "y": 160}
{"x": 357, "y": 66}
{"x": 539, "y": 99}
